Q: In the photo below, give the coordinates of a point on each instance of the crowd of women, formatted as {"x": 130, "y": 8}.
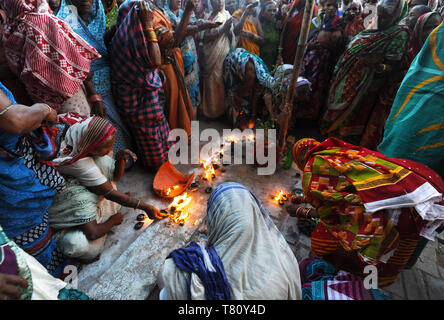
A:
{"x": 84, "y": 82}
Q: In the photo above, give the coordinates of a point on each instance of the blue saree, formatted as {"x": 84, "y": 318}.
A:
{"x": 94, "y": 33}
{"x": 27, "y": 190}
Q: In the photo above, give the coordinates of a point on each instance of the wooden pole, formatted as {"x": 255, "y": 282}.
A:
{"x": 288, "y": 102}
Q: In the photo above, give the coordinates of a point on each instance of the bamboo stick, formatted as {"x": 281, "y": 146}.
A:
{"x": 302, "y": 42}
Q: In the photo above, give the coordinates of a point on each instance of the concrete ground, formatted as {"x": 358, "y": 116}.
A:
{"x": 128, "y": 267}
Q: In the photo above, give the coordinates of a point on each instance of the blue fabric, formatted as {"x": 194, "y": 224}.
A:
{"x": 94, "y": 33}
{"x": 191, "y": 259}
{"x": 24, "y": 200}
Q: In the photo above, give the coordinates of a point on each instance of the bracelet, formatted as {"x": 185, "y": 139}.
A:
{"x": 7, "y": 108}
{"x": 95, "y": 98}
{"x": 302, "y": 212}
{"x": 138, "y": 202}
{"x": 148, "y": 29}
{"x": 153, "y": 40}
{"x": 108, "y": 192}
{"x": 152, "y": 35}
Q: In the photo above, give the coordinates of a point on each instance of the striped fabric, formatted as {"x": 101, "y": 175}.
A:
{"x": 43, "y": 51}
{"x": 83, "y": 137}
{"x": 321, "y": 281}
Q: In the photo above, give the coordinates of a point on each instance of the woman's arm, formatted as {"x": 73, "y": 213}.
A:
{"x": 248, "y": 11}
{"x": 181, "y": 30}
{"x": 106, "y": 189}
{"x": 94, "y": 230}
{"x": 120, "y": 163}
{"x": 98, "y": 107}
{"x": 253, "y": 37}
{"x": 146, "y": 16}
{"x": 20, "y": 119}
{"x": 213, "y": 34}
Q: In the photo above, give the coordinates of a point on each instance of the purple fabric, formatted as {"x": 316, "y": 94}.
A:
{"x": 8, "y": 261}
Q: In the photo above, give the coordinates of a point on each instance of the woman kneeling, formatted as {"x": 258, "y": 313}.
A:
{"x": 87, "y": 209}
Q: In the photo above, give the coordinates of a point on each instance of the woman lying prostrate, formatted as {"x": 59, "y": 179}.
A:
{"x": 87, "y": 209}
{"x": 244, "y": 258}
{"x": 23, "y": 277}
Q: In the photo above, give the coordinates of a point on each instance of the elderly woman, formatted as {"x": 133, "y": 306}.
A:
{"x": 245, "y": 76}
{"x": 23, "y": 277}
{"x": 373, "y": 210}
{"x": 366, "y": 78}
{"x": 424, "y": 26}
{"x": 91, "y": 26}
{"x": 414, "y": 14}
{"x": 27, "y": 184}
{"x": 49, "y": 58}
{"x": 86, "y": 210}
{"x": 245, "y": 257}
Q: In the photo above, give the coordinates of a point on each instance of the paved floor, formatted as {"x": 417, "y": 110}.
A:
{"x": 128, "y": 267}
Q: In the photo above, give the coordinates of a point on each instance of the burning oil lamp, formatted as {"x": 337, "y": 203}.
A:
{"x": 281, "y": 198}
{"x": 176, "y": 209}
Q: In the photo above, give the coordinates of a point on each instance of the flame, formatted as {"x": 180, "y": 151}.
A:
{"x": 281, "y": 196}
{"x": 179, "y": 217}
{"x": 208, "y": 170}
{"x": 179, "y": 203}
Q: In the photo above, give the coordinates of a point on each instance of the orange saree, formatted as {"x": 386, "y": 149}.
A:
{"x": 178, "y": 107}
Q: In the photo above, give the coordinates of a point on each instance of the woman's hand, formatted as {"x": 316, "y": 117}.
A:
{"x": 99, "y": 109}
{"x": 249, "y": 10}
{"x": 152, "y": 212}
{"x": 10, "y": 286}
{"x": 146, "y": 15}
{"x": 122, "y": 154}
{"x": 117, "y": 219}
{"x": 206, "y": 24}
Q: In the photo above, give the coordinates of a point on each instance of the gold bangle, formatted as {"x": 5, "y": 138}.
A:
{"x": 108, "y": 192}
{"x": 148, "y": 29}
{"x": 152, "y": 35}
